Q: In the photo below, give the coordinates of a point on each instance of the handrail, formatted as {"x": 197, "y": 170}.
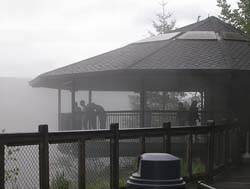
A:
{"x": 74, "y": 135}
{"x": 113, "y": 136}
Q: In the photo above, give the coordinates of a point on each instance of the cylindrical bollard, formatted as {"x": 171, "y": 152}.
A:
{"x": 157, "y": 171}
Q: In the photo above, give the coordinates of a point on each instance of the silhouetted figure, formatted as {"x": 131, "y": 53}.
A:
{"x": 101, "y": 114}
{"x": 181, "y": 116}
{"x": 193, "y": 114}
{"x": 78, "y": 117}
{"x": 83, "y": 105}
{"x": 90, "y": 116}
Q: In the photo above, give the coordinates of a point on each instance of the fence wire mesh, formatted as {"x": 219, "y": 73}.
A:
{"x": 179, "y": 149}
{"x": 199, "y": 153}
{"x": 97, "y": 164}
{"x": 63, "y": 163}
{"x": 129, "y": 152}
{"x": 21, "y": 167}
{"x": 154, "y": 144}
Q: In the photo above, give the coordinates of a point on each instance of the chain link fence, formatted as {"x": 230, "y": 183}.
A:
{"x": 21, "y": 167}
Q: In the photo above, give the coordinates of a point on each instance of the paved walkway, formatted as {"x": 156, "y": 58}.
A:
{"x": 234, "y": 178}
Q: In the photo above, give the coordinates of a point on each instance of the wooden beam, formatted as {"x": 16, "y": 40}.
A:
{"x": 142, "y": 104}
{"x": 114, "y": 156}
{"x": 81, "y": 163}
{"x": 44, "y": 157}
{"x": 2, "y": 169}
{"x": 73, "y": 100}
{"x": 59, "y": 109}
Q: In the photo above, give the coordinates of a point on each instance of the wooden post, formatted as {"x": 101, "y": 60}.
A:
{"x": 90, "y": 96}
{"x": 2, "y": 169}
{"x": 227, "y": 146}
{"x": 210, "y": 166}
{"x": 114, "y": 156}
{"x": 142, "y": 108}
{"x": 167, "y": 137}
{"x": 73, "y": 100}
{"x": 44, "y": 157}
{"x": 59, "y": 110}
{"x": 81, "y": 164}
{"x": 189, "y": 155}
{"x": 238, "y": 142}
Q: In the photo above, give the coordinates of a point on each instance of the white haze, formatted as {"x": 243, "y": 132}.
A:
{"x": 23, "y": 108}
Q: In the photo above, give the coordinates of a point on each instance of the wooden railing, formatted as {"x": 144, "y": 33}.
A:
{"x": 224, "y": 137}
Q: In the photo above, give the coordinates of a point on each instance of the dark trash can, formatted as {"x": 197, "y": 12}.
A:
{"x": 157, "y": 171}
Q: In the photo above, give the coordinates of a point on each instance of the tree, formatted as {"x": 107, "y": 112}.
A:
{"x": 160, "y": 100}
{"x": 238, "y": 17}
{"x": 164, "y": 22}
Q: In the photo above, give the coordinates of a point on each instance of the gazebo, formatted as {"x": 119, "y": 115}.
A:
{"x": 209, "y": 56}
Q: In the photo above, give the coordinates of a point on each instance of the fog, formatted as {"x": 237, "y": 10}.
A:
{"x": 23, "y": 108}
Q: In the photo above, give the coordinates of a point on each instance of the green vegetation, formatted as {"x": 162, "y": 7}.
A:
{"x": 238, "y": 17}
{"x": 197, "y": 167}
{"x": 60, "y": 182}
{"x": 11, "y": 174}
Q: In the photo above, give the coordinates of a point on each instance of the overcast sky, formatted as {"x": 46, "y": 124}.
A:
{"x": 39, "y": 35}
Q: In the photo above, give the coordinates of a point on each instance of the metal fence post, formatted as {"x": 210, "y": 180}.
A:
{"x": 189, "y": 155}
{"x": 210, "y": 166}
{"x": 238, "y": 137}
{"x": 167, "y": 137}
{"x": 114, "y": 156}
{"x": 227, "y": 147}
{"x": 81, "y": 163}
{"x": 44, "y": 157}
{"x": 2, "y": 173}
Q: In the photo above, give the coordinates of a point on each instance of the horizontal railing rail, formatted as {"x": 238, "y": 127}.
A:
{"x": 218, "y": 137}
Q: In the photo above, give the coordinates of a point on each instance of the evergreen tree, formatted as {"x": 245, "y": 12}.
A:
{"x": 164, "y": 22}
{"x": 238, "y": 17}
{"x": 160, "y": 100}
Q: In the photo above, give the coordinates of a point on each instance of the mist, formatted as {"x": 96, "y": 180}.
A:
{"x": 23, "y": 108}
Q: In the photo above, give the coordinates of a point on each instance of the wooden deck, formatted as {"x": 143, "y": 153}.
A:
{"x": 234, "y": 178}
{"x": 237, "y": 177}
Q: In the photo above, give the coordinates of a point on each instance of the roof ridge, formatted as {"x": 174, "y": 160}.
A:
{"x": 193, "y": 25}
{"x": 167, "y": 43}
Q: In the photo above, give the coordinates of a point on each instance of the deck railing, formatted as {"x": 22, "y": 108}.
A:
{"x": 220, "y": 142}
{"x": 131, "y": 119}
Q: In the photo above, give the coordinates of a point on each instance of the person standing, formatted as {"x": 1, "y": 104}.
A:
{"x": 101, "y": 114}
{"x": 193, "y": 114}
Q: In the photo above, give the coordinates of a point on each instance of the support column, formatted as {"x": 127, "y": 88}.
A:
{"x": 90, "y": 96}
{"x": 203, "y": 116}
{"x": 73, "y": 99}
{"x": 59, "y": 109}
{"x": 142, "y": 104}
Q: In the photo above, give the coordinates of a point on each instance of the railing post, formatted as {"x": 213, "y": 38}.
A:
{"x": 114, "y": 156}
{"x": 238, "y": 160}
{"x": 44, "y": 157}
{"x": 210, "y": 166}
{"x": 167, "y": 137}
{"x": 2, "y": 173}
{"x": 142, "y": 145}
{"x": 81, "y": 163}
{"x": 227, "y": 147}
{"x": 189, "y": 155}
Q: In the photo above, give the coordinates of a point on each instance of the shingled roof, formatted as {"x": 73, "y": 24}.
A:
{"x": 210, "y": 44}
